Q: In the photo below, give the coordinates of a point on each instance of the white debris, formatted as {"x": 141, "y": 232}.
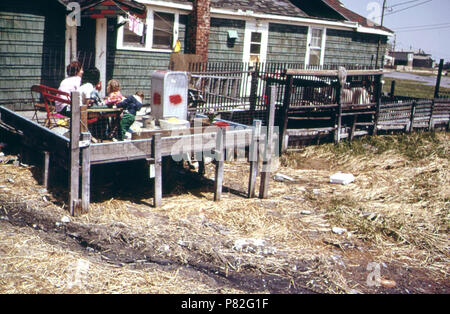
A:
{"x": 165, "y": 248}
{"x": 305, "y": 212}
{"x": 342, "y": 178}
{"x": 338, "y": 230}
{"x": 61, "y": 131}
{"x": 208, "y": 160}
{"x": 250, "y": 245}
{"x": 281, "y": 178}
{"x": 65, "y": 219}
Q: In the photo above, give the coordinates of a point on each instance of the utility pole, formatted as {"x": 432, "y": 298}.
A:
{"x": 379, "y": 40}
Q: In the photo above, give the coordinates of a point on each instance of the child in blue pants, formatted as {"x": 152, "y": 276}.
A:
{"x": 131, "y": 105}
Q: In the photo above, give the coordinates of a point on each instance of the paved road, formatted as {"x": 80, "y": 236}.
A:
{"x": 428, "y": 80}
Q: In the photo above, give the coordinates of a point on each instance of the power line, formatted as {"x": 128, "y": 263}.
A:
{"x": 423, "y": 29}
{"x": 402, "y": 3}
{"x": 410, "y": 7}
{"x": 404, "y": 9}
{"x": 417, "y": 26}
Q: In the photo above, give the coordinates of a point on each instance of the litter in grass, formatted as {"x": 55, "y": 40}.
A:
{"x": 342, "y": 178}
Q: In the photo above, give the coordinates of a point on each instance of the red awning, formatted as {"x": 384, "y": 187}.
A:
{"x": 109, "y": 8}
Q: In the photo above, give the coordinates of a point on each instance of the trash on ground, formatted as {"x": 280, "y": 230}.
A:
{"x": 282, "y": 178}
{"x": 258, "y": 246}
{"x": 342, "y": 178}
{"x": 338, "y": 230}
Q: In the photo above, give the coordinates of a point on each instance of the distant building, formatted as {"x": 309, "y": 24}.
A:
{"x": 408, "y": 60}
{"x": 403, "y": 58}
{"x": 422, "y": 60}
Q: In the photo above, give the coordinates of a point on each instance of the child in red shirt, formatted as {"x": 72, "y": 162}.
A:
{"x": 114, "y": 95}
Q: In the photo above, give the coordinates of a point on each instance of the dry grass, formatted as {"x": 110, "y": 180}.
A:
{"x": 396, "y": 212}
{"x": 400, "y": 200}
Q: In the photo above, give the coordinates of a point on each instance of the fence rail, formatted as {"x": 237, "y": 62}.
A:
{"x": 313, "y": 101}
{"x": 237, "y": 86}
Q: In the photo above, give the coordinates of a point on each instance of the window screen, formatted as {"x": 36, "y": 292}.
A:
{"x": 163, "y": 24}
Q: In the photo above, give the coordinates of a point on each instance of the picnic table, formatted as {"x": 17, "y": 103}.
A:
{"x": 104, "y": 120}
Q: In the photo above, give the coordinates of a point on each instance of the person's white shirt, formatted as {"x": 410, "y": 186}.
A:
{"x": 85, "y": 91}
{"x": 68, "y": 85}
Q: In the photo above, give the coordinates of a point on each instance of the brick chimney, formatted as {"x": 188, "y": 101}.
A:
{"x": 198, "y": 28}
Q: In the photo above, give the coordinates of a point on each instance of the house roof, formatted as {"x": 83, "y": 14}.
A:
{"x": 289, "y": 8}
{"x": 278, "y": 7}
{"x": 351, "y": 16}
{"x": 297, "y": 8}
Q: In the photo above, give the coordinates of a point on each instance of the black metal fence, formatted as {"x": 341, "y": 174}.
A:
{"x": 238, "y": 91}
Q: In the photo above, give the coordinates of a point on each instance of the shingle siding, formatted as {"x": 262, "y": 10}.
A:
{"x": 133, "y": 69}
{"x": 287, "y": 43}
{"x": 346, "y": 47}
{"x": 219, "y": 48}
{"x": 31, "y": 47}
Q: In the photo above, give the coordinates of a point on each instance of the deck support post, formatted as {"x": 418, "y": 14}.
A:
{"x": 85, "y": 172}
{"x": 46, "y": 170}
{"x": 253, "y": 157}
{"x": 157, "y": 160}
{"x": 74, "y": 176}
{"x": 268, "y": 151}
{"x": 219, "y": 159}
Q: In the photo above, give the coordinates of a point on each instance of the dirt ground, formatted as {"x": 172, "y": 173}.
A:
{"x": 386, "y": 232}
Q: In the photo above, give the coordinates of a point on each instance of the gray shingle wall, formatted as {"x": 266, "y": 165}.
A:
{"x": 133, "y": 69}
{"x": 345, "y": 47}
{"x": 31, "y": 49}
{"x": 21, "y": 38}
{"x": 287, "y": 43}
{"x": 220, "y": 49}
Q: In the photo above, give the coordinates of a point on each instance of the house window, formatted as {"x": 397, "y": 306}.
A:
{"x": 255, "y": 46}
{"x": 163, "y": 26}
{"x": 316, "y": 47}
{"x": 130, "y": 39}
{"x": 161, "y": 32}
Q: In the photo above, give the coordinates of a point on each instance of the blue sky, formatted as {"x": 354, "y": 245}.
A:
{"x": 419, "y": 24}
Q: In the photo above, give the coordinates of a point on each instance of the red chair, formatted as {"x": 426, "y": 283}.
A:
{"x": 49, "y": 96}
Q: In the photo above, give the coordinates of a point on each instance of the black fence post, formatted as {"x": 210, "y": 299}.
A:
{"x": 254, "y": 88}
{"x": 378, "y": 92}
{"x": 438, "y": 80}
{"x": 284, "y": 114}
{"x": 392, "y": 95}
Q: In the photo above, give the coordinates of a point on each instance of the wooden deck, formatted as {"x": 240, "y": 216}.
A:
{"x": 77, "y": 154}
